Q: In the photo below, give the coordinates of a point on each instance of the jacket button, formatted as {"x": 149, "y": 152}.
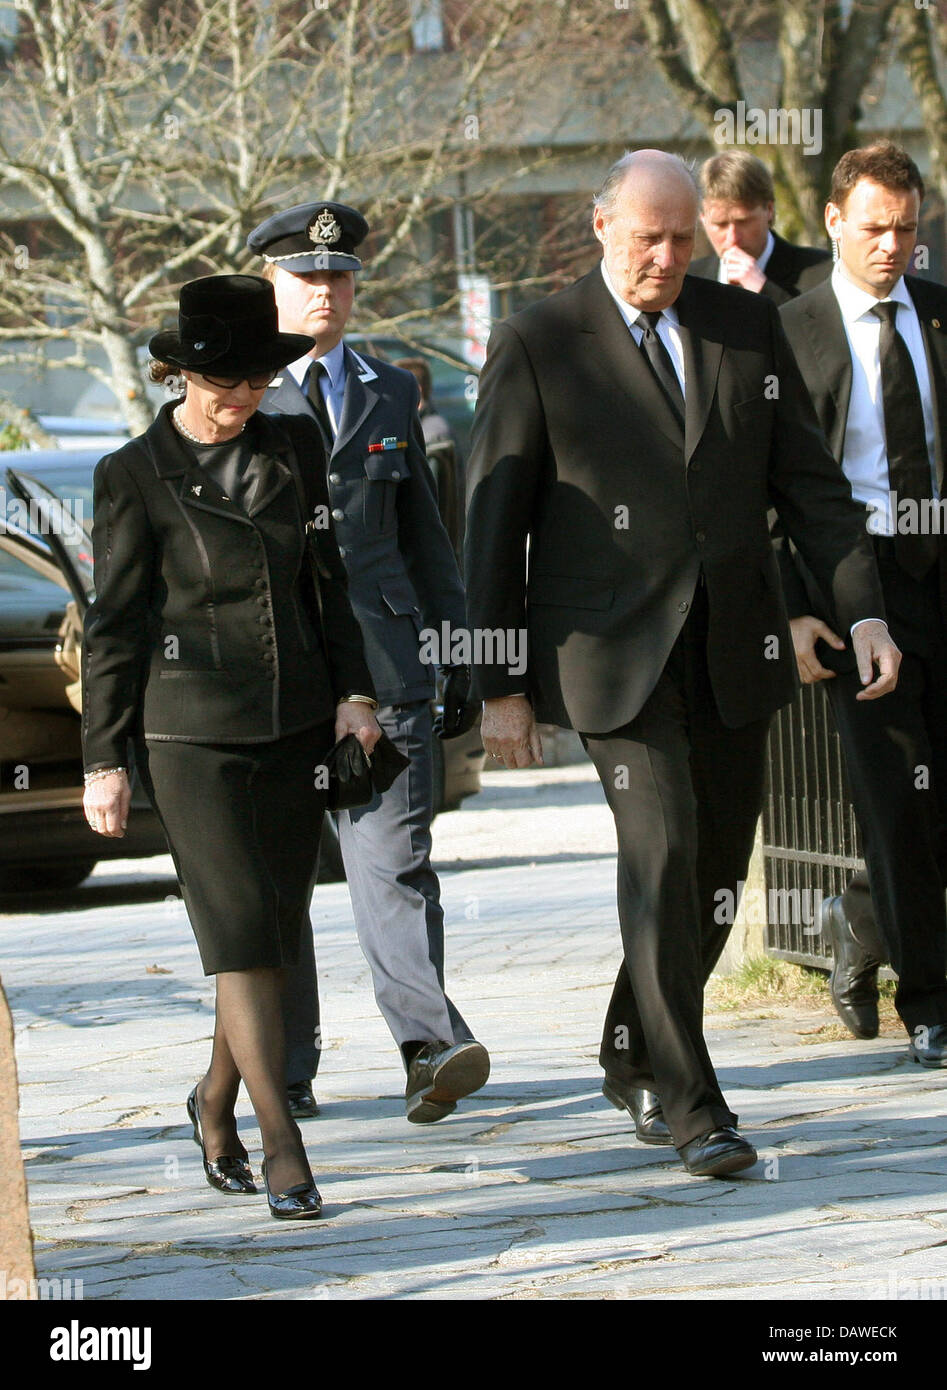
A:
{"x": 683, "y": 607}
{"x": 701, "y": 537}
{"x": 269, "y": 656}
{"x": 395, "y": 473}
{"x": 335, "y": 477}
{"x": 260, "y": 584}
{"x": 337, "y": 514}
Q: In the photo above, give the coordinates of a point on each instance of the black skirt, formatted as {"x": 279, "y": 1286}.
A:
{"x": 243, "y": 823}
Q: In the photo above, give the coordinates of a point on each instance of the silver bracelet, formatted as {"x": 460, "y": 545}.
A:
{"x": 102, "y": 772}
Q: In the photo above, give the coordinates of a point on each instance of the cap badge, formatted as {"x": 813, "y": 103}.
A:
{"x": 324, "y": 230}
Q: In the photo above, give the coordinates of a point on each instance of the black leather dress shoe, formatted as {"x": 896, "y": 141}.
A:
{"x": 299, "y": 1203}
{"x": 718, "y": 1153}
{"x": 302, "y": 1103}
{"x": 440, "y": 1074}
{"x": 929, "y": 1046}
{"x": 225, "y": 1173}
{"x": 643, "y": 1106}
{"x": 853, "y": 983}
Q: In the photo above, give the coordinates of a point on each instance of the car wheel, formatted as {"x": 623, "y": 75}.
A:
{"x": 45, "y": 878}
{"x": 331, "y": 868}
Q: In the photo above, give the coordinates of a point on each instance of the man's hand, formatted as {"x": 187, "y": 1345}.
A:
{"x": 741, "y": 269}
{"x": 874, "y": 647}
{"x": 805, "y": 631}
{"x": 509, "y": 731}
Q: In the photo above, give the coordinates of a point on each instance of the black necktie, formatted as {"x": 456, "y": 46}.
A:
{"x": 659, "y": 360}
{"x": 318, "y": 402}
{"x": 909, "y": 469}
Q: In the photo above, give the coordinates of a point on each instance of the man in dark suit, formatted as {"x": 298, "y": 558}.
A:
{"x": 872, "y": 347}
{"x": 737, "y": 211}
{"x": 630, "y": 433}
{"x": 402, "y": 574}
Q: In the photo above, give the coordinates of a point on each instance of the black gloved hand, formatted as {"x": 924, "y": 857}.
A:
{"x": 458, "y": 714}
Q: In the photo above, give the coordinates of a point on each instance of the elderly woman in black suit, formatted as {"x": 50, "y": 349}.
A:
{"x": 222, "y": 642}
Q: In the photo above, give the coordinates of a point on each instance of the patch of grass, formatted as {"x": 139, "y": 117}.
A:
{"x": 764, "y": 980}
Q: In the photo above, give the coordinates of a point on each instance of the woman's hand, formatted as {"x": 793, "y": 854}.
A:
{"x": 106, "y": 804}
{"x": 354, "y": 717}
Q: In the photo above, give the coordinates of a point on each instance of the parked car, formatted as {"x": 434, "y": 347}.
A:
{"x": 45, "y": 587}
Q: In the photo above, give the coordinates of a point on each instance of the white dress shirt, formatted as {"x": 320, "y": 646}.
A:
{"x": 668, "y": 328}
{"x": 864, "y": 456}
{"x": 333, "y": 388}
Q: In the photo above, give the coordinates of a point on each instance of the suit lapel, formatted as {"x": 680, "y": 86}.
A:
{"x": 624, "y": 359}
{"x": 175, "y": 463}
{"x": 359, "y": 400}
{"x": 703, "y": 351}
{"x": 934, "y": 333}
{"x": 829, "y": 344}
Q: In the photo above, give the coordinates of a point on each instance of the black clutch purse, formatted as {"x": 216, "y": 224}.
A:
{"x": 355, "y": 776}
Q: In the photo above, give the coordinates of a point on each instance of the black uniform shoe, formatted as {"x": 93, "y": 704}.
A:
{"x": 929, "y": 1046}
{"x": 643, "y": 1106}
{"x": 718, "y": 1153}
{"x": 302, "y": 1103}
{"x": 853, "y": 983}
{"x": 439, "y": 1075}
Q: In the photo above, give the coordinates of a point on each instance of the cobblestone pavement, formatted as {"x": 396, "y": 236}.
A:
{"x": 535, "y": 1187}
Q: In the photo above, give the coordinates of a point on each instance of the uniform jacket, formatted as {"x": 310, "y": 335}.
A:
{"x": 814, "y": 326}
{"x": 401, "y": 567}
{"x": 204, "y": 626}
{"x": 576, "y": 451}
{"x": 790, "y": 270}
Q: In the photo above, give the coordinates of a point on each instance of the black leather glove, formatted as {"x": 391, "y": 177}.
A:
{"x": 458, "y": 714}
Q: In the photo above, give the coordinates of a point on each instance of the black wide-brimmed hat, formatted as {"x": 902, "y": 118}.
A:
{"x": 311, "y": 236}
{"x": 229, "y": 323}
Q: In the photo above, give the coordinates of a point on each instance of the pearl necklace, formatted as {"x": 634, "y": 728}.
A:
{"x": 195, "y": 439}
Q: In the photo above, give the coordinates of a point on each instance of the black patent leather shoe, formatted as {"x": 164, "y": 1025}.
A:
{"x": 853, "y": 983}
{"x": 643, "y": 1106}
{"x": 718, "y": 1153}
{"x": 225, "y": 1173}
{"x": 299, "y": 1203}
{"x": 441, "y": 1074}
{"x": 929, "y": 1046}
{"x": 302, "y": 1103}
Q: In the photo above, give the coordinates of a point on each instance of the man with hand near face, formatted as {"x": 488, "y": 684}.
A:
{"x": 402, "y": 575}
{"x": 872, "y": 347}
{"x": 626, "y": 445}
{"x": 737, "y": 212}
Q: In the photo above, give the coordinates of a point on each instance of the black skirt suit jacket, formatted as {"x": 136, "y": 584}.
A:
{"x": 204, "y": 626}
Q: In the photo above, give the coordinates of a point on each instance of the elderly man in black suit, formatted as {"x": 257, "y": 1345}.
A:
{"x": 630, "y": 434}
{"x": 737, "y": 213}
{"x": 872, "y": 347}
{"x": 402, "y": 575}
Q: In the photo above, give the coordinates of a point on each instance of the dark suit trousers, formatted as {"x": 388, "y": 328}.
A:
{"x": 686, "y": 793}
{"x": 896, "y": 762}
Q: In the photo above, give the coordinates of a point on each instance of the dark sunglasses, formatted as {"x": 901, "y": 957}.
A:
{"x": 255, "y": 383}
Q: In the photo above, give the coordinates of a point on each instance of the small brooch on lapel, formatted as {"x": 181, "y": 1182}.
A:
{"x": 389, "y": 442}
{"x": 935, "y": 323}
{"x": 196, "y": 489}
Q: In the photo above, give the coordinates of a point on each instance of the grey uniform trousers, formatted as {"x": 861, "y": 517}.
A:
{"x": 386, "y": 848}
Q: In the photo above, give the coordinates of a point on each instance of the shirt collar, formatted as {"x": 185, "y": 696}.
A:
{"x": 333, "y": 361}
{"x": 855, "y": 302}
{"x": 628, "y": 311}
{"x": 767, "y": 251}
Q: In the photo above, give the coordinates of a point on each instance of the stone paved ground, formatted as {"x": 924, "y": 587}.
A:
{"x": 535, "y": 1188}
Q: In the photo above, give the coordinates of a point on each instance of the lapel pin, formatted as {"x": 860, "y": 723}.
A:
{"x": 935, "y": 323}
{"x": 196, "y": 489}
{"x": 389, "y": 442}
